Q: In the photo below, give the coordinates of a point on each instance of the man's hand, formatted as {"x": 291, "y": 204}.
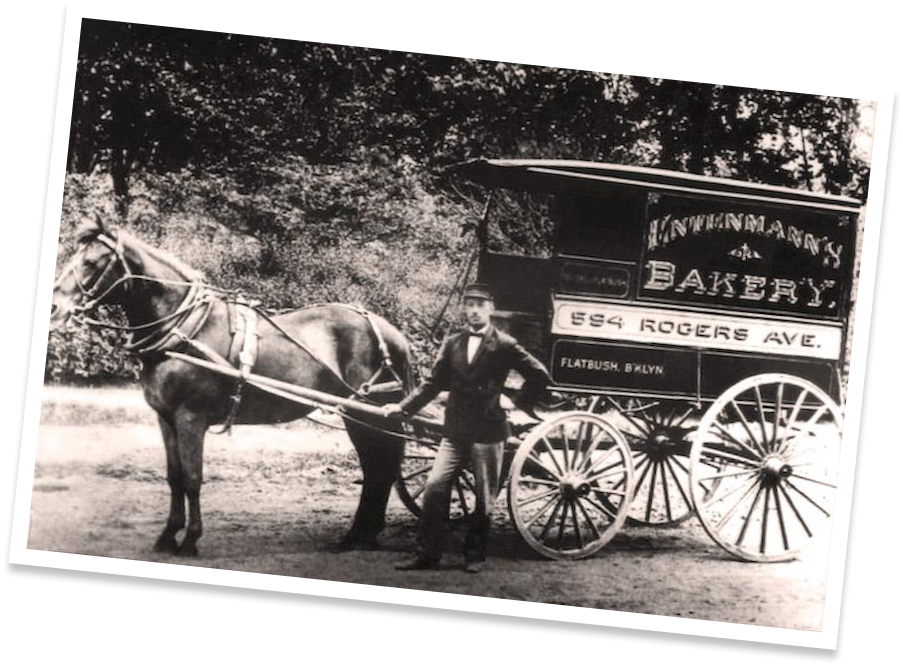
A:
{"x": 392, "y": 409}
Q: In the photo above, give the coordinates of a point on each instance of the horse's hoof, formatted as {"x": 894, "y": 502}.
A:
{"x": 166, "y": 544}
{"x": 187, "y": 550}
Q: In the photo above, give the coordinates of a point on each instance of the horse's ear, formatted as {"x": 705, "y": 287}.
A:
{"x": 100, "y": 225}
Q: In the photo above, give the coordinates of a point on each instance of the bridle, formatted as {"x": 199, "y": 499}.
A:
{"x": 157, "y": 334}
{"x": 94, "y": 295}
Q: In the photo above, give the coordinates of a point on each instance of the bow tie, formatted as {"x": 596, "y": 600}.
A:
{"x": 475, "y": 334}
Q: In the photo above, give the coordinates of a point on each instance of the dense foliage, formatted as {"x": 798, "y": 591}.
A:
{"x": 298, "y": 172}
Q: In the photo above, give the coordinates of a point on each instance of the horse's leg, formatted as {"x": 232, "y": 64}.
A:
{"x": 380, "y": 455}
{"x": 167, "y": 542}
{"x": 191, "y": 428}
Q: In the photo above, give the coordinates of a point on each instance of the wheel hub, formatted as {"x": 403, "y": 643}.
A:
{"x": 660, "y": 443}
{"x": 773, "y": 469}
{"x": 573, "y": 486}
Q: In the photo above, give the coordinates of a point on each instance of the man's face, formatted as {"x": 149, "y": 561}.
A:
{"x": 477, "y": 312}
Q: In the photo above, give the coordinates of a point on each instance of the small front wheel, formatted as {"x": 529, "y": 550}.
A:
{"x": 571, "y": 485}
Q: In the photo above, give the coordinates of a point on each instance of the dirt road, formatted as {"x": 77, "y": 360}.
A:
{"x": 276, "y": 498}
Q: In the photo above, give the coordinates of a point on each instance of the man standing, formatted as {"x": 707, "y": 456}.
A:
{"x": 472, "y": 366}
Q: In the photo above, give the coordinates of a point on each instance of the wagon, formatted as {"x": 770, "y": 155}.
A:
{"x": 699, "y": 325}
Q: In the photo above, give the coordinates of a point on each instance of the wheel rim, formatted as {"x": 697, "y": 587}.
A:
{"x": 415, "y": 469}
{"x": 764, "y": 467}
{"x": 658, "y": 436}
{"x": 570, "y": 484}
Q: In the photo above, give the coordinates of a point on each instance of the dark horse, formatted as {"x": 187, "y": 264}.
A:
{"x": 332, "y": 348}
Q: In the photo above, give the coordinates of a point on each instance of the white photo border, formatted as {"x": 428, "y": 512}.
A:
{"x": 19, "y": 554}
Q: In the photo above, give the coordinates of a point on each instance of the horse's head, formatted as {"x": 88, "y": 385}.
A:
{"x": 93, "y": 273}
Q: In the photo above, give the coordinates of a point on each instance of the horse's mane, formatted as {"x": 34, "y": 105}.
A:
{"x": 91, "y": 230}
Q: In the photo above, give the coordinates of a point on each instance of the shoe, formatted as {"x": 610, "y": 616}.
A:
{"x": 418, "y": 563}
{"x": 473, "y": 567}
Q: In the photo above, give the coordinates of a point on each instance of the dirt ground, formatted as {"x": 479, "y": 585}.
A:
{"x": 276, "y": 498}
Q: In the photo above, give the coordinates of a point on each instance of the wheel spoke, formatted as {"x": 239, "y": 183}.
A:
{"x": 750, "y": 487}
{"x": 552, "y": 455}
{"x": 747, "y": 427}
{"x": 536, "y": 461}
{"x": 733, "y": 491}
{"x": 683, "y": 417}
{"x": 651, "y": 491}
{"x": 595, "y": 465}
{"x": 589, "y": 521}
{"x": 780, "y": 512}
{"x": 728, "y": 435}
{"x": 777, "y": 419}
{"x": 559, "y": 503}
{"x": 611, "y": 470}
{"x": 811, "y": 480}
{"x": 541, "y": 482}
{"x": 639, "y": 425}
{"x": 561, "y": 523}
{"x": 749, "y": 516}
{"x": 600, "y": 508}
{"x": 677, "y": 482}
{"x": 576, "y": 525}
{"x": 764, "y": 529}
{"x": 738, "y": 460}
{"x": 762, "y": 424}
{"x": 588, "y": 456}
{"x": 797, "y": 406}
{"x": 646, "y": 467}
{"x": 806, "y": 497}
{"x": 537, "y": 497}
{"x": 539, "y": 514}
{"x": 796, "y": 511}
{"x": 565, "y": 447}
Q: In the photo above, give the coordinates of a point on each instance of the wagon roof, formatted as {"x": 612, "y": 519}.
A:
{"x": 574, "y": 175}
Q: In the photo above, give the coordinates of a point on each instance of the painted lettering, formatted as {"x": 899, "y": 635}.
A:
{"x": 661, "y": 275}
{"x": 782, "y": 288}
{"x": 753, "y": 287}
{"x": 693, "y": 281}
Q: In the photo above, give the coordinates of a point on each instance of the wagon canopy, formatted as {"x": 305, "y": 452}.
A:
{"x": 580, "y": 176}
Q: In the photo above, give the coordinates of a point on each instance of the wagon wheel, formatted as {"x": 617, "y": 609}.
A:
{"x": 418, "y": 460}
{"x": 570, "y": 484}
{"x": 658, "y": 435}
{"x": 772, "y": 445}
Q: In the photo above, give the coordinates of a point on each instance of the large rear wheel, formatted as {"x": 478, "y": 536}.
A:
{"x": 658, "y": 433}
{"x": 764, "y": 466}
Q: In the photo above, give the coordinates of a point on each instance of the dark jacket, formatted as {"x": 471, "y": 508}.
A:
{"x": 473, "y": 412}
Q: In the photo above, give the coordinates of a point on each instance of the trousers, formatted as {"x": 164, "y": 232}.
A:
{"x": 486, "y": 463}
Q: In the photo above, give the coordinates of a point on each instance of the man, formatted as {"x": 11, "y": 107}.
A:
{"x": 472, "y": 366}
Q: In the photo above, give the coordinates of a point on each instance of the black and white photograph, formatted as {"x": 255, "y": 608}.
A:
{"x": 452, "y": 330}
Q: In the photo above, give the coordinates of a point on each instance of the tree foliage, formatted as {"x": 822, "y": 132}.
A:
{"x": 301, "y": 172}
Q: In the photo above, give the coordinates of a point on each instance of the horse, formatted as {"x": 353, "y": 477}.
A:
{"x": 333, "y": 348}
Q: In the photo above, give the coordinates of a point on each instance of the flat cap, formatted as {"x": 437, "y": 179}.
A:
{"x": 477, "y": 290}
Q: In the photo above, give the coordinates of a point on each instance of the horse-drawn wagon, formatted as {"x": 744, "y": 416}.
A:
{"x": 702, "y": 321}
{"x": 699, "y": 326}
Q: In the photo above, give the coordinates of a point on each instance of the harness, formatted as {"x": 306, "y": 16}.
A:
{"x": 180, "y": 328}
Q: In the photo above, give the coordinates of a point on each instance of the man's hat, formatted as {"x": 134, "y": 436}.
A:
{"x": 477, "y": 290}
